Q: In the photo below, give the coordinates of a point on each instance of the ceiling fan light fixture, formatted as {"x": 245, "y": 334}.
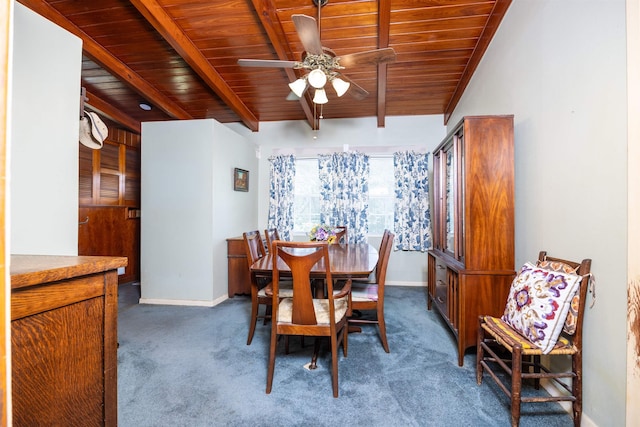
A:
{"x": 298, "y": 87}
{"x": 320, "y": 97}
{"x": 317, "y": 78}
{"x": 340, "y": 86}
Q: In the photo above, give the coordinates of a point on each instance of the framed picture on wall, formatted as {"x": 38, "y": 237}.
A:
{"x": 240, "y": 180}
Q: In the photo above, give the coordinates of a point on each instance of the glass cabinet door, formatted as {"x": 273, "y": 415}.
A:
{"x": 452, "y": 174}
{"x": 449, "y": 197}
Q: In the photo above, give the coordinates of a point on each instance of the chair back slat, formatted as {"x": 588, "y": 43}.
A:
{"x": 301, "y": 258}
{"x": 341, "y": 234}
{"x": 270, "y": 235}
{"x": 386, "y": 244}
{"x": 254, "y": 247}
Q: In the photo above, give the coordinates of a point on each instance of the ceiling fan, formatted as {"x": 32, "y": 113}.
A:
{"x": 322, "y": 64}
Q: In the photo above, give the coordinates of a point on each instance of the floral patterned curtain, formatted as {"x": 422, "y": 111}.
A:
{"x": 344, "y": 192}
{"x": 282, "y": 181}
{"x": 412, "y": 219}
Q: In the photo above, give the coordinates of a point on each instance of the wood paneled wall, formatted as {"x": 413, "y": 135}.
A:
{"x": 109, "y": 199}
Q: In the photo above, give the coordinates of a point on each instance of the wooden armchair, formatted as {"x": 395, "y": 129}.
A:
{"x": 515, "y": 345}
{"x": 367, "y": 295}
{"x": 305, "y": 315}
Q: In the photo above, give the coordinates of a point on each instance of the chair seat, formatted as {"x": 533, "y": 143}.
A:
{"x": 509, "y": 338}
{"x": 286, "y": 290}
{"x": 364, "y": 291}
{"x": 321, "y": 307}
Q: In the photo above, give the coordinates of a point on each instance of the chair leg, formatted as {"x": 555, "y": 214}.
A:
{"x": 272, "y": 358}
{"x": 254, "y": 319}
{"x": 383, "y": 328}
{"x": 267, "y": 314}
{"x": 516, "y": 385}
{"x": 345, "y": 338}
{"x": 576, "y": 388}
{"x": 334, "y": 364}
{"x": 316, "y": 350}
{"x": 479, "y": 353}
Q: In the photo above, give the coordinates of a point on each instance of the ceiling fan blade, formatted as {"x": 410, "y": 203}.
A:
{"x": 370, "y": 57}
{"x": 267, "y": 63}
{"x": 307, "y": 29}
{"x": 356, "y": 91}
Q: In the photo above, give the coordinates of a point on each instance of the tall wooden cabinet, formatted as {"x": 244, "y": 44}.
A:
{"x": 471, "y": 265}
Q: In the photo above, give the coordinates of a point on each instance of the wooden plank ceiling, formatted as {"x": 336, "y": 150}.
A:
{"x": 180, "y": 56}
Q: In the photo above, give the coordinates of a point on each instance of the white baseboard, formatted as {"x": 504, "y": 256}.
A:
{"x": 414, "y": 284}
{"x": 554, "y": 390}
{"x": 194, "y": 303}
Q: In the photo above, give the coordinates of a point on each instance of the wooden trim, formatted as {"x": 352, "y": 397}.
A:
{"x": 498, "y": 12}
{"x": 173, "y": 34}
{"x": 268, "y": 15}
{"x": 384, "y": 19}
{"x": 103, "y": 107}
{"x": 94, "y": 50}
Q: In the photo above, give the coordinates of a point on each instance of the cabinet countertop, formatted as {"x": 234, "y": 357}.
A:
{"x": 27, "y": 270}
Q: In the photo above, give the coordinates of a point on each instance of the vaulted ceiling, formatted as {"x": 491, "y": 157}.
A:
{"x": 181, "y": 56}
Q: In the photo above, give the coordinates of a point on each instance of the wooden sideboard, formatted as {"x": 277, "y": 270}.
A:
{"x": 64, "y": 339}
{"x": 239, "y": 280}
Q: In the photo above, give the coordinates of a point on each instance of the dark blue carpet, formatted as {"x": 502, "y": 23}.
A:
{"x": 190, "y": 366}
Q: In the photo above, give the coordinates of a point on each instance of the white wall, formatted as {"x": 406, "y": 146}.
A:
{"x": 189, "y": 208}
{"x": 559, "y": 67}
{"x": 44, "y": 144}
{"x": 405, "y": 268}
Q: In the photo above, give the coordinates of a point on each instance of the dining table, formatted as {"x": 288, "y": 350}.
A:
{"x": 347, "y": 260}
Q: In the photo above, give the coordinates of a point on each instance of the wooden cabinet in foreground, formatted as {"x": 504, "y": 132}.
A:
{"x": 471, "y": 265}
{"x": 64, "y": 340}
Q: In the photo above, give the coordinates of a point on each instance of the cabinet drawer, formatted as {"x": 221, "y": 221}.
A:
{"x": 441, "y": 294}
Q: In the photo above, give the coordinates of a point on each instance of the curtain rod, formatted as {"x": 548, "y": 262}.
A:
{"x": 371, "y": 150}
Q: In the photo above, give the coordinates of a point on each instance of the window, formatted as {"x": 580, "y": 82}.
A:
{"x": 306, "y": 205}
{"x": 306, "y": 208}
{"x": 381, "y": 194}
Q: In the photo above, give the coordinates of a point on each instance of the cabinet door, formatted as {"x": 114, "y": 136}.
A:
{"x": 453, "y": 183}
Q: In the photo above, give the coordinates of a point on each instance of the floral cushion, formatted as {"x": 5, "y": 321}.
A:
{"x": 572, "y": 314}
{"x": 538, "y": 302}
{"x": 364, "y": 292}
{"x": 321, "y": 307}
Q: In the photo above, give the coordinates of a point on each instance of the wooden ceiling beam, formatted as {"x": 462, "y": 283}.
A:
{"x": 175, "y": 36}
{"x": 109, "y": 62}
{"x": 101, "y": 106}
{"x": 266, "y": 10}
{"x": 384, "y": 19}
{"x": 499, "y": 9}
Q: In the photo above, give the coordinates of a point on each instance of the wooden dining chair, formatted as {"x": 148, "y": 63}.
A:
{"x": 535, "y": 324}
{"x": 254, "y": 249}
{"x": 369, "y": 296}
{"x": 270, "y": 235}
{"x": 304, "y": 314}
{"x": 341, "y": 234}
